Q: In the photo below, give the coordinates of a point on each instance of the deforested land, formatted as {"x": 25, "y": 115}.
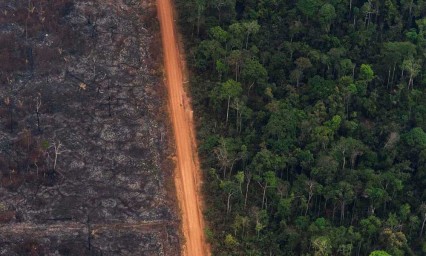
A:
{"x": 85, "y": 166}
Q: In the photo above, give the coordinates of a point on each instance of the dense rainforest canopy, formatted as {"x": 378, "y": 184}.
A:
{"x": 312, "y": 120}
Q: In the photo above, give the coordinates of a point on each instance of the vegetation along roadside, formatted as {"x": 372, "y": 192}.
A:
{"x": 311, "y": 120}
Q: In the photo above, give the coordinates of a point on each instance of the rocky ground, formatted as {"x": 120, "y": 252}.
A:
{"x": 84, "y": 133}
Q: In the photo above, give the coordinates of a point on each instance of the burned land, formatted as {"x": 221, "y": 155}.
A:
{"x": 84, "y": 133}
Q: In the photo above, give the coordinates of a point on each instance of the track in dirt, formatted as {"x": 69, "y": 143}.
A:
{"x": 188, "y": 177}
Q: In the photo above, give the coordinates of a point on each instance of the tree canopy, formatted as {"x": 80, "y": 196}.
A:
{"x": 312, "y": 122}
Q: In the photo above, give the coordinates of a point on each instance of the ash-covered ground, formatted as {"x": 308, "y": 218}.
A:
{"x": 85, "y": 165}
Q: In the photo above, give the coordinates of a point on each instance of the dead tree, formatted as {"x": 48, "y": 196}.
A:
{"x": 57, "y": 151}
{"x": 8, "y": 103}
{"x": 38, "y": 106}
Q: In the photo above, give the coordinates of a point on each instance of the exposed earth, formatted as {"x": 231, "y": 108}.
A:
{"x": 85, "y": 164}
{"x": 188, "y": 174}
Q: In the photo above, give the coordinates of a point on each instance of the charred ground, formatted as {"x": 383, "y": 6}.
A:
{"x": 83, "y": 138}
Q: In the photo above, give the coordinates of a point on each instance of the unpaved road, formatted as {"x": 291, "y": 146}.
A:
{"x": 188, "y": 176}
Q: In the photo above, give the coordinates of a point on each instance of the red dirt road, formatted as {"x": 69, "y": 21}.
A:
{"x": 187, "y": 178}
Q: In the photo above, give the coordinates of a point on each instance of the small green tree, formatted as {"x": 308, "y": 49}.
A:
{"x": 302, "y": 64}
{"x": 327, "y": 14}
{"x": 269, "y": 180}
{"x": 228, "y": 90}
{"x": 379, "y": 253}
{"x": 201, "y": 7}
{"x": 230, "y": 241}
{"x": 366, "y": 73}
{"x": 253, "y": 72}
{"x": 321, "y": 246}
{"x": 416, "y": 138}
{"x": 308, "y": 7}
{"x": 252, "y": 27}
{"x": 217, "y": 33}
{"x": 230, "y": 188}
{"x": 413, "y": 68}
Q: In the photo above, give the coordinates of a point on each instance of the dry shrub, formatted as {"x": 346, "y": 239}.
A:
{"x": 7, "y": 216}
{"x": 71, "y": 40}
{"x": 12, "y": 55}
{"x": 11, "y": 124}
{"x": 12, "y": 180}
{"x": 30, "y": 248}
{"x": 36, "y": 157}
{"x": 3, "y": 112}
{"x": 47, "y": 59}
{"x": 25, "y": 140}
{"x": 3, "y": 163}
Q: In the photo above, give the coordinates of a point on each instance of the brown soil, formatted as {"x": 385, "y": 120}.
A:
{"x": 187, "y": 178}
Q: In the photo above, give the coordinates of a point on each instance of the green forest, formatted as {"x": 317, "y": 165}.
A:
{"x": 311, "y": 119}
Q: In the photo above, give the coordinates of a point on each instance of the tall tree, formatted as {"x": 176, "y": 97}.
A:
{"x": 230, "y": 89}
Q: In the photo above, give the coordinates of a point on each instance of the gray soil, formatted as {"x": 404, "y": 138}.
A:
{"x": 83, "y": 85}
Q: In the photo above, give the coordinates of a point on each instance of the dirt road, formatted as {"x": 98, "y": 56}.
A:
{"x": 187, "y": 178}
